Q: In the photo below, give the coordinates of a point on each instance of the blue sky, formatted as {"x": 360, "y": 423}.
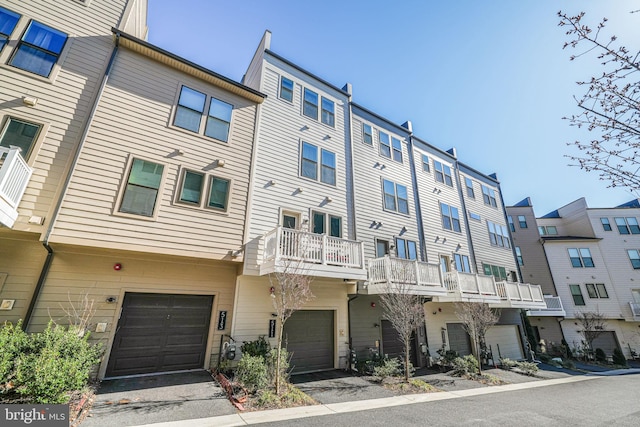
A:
{"x": 489, "y": 78}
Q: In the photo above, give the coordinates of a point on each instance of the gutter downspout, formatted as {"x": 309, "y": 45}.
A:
{"x": 47, "y": 263}
{"x": 416, "y": 200}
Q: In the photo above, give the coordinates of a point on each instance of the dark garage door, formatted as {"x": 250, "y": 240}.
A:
{"x": 458, "y": 339}
{"x": 607, "y": 342}
{"x": 308, "y": 336}
{"x": 392, "y": 346}
{"x": 160, "y": 333}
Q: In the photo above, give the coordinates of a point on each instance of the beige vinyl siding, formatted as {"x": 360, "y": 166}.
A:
{"x": 76, "y": 272}
{"x": 485, "y": 252}
{"x": 282, "y": 130}
{"x": 134, "y": 120}
{"x": 254, "y": 308}
{"x": 63, "y": 103}
{"x": 370, "y": 168}
{"x": 440, "y": 241}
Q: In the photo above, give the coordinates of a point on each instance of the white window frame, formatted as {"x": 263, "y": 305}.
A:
{"x": 327, "y": 116}
{"x": 489, "y": 196}
{"x": 469, "y": 186}
{"x": 125, "y": 182}
{"x": 443, "y": 173}
{"x": 425, "y": 163}
{"x": 320, "y": 164}
{"x": 396, "y": 149}
{"x": 310, "y": 104}
{"x": 581, "y": 257}
{"x": 384, "y": 147}
{"x": 284, "y": 89}
{"x": 204, "y": 115}
{"x": 453, "y": 220}
{"x": 406, "y": 244}
{"x": 326, "y": 223}
{"x": 396, "y": 197}
{"x": 365, "y": 133}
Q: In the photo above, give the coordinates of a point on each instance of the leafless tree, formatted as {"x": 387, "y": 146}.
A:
{"x": 476, "y": 319}
{"x": 404, "y": 310}
{"x": 291, "y": 285}
{"x": 610, "y": 106}
{"x": 592, "y": 325}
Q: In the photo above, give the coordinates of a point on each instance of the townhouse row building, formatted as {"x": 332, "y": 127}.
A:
{"x": 167, "y": 194}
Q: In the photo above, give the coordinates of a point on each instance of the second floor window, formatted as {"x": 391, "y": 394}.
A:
{"x": 596, "y": 290}
{"x": 627, "y": 225}
{"x": 310, "y": 164}
{"x": 395, "y": 197}
{"x": 39, "y": 49}
{"x": 406, "y": 249}
{"x": 286, "y": 89}
{"x": 328, "y": 112}
{"x": 462, "y": 263}
{"x": 141, "y": 192}
{"x": 327, "y": 224}
{"x": 634, "y": 257}
{"x": 580, "y": 257}
{"x": 21, "y": 134}
{"x": 310, "y": 104}
{"x": 489, "y": 196}
{"x": 450, "y": 217}
{"x": 498, "y": 235}
{"x": 576, "y": 293}
{"x": 519, "y": 256}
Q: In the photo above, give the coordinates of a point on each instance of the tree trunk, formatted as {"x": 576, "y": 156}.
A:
{"x": 279, "y": 353}
{"x": 406, "y": 362}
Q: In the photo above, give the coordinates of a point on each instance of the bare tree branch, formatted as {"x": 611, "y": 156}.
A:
{"x": 476, "y": 319}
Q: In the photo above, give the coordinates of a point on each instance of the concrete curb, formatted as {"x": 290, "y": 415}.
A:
{"x": 274, "y": 415}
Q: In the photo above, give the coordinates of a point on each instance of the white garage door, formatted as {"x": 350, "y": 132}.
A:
{"x": 508, "y": 338}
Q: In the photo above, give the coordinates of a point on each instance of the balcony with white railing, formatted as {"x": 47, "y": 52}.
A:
{"x": 388, "y": 274}
{"x": 470, "y": 287}
{"x": 14, "y": 177}
{"x": 302, "y": 252}
{"x": 520, "y": 295}
{"x": 635, "y": 308}
{"x": 554, "y": 308}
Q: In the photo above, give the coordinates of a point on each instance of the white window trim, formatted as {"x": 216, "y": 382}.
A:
{"x": 318, "y": 165}
{"x": 205, "y": 191}
{"x": 37, "y": 144}
{"x": 123, "y": 186}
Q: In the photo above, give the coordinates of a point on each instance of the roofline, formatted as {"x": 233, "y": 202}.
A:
{"x": 167, "y": 58}
{"x": 321, "y": 80}
{"x": 569, "y": 239}
{"x": 379, "y": 117}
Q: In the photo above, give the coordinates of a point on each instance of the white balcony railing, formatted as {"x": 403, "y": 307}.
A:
{"x": 553, "y": 307}
{"x": 286, "y": 244}
{"x": 512, "y": 291}
{"x": 468, "y": 283}
{"x": 14, "y": 177}
{"x": 394, "y": 271}
{"x": 635, "y": 308}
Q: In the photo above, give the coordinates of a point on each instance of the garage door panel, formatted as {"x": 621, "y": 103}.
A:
{"x": 507, "y": 338}
{"x": 309, "y": 337}
{"x": 158, "y": 333}
{"x": 607, "y": 342}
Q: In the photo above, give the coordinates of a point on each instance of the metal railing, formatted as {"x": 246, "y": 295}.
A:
{"x": 290, "y": 244}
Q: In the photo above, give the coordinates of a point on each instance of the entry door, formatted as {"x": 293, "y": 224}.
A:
{"x": 290, "y": 220}
{"x": 392, "y": 345}
{"x": 382, "y": 248}
{"x": 445, "y": 263}
{"x": 160, "y": 333}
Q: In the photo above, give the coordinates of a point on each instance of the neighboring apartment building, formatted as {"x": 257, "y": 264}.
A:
{"x": 151, "y": 220}
{"x": 593, "y": 258}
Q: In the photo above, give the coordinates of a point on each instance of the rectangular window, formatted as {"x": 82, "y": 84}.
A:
{"x": 522, "y": 221}
{"x": 286, "y": 89}
{"x": 596, "y": 290}
{"x": 219, "y": 193}
{"x": 406, "y": 249}
{"x": 576, "y": 293}
{"x": 469, "y": 184}
{"x": 218, "y": 120}
{"x": 499, "y": 273}
{"x": 443, "y": 173}
{"x": 190, "y": 109}
{"x": 310, "y": 104}
{"x": 385, "y": 145}
{"x": 489, "y": 196}
{"x": 450, "y": 217}
{"x": 519, "y": 256}
{"x": 547, "y": 230}
{"x": 396, "y": 145}
{"x": 395, "y": 197}
{"x": 425, "y": 163}
{"x": 8, "y": 21}
{"x": 309, "y": 164}
{"x": 512, "y": 226}
{"x": 634, "y": 257}
{"x": 474, "y": 216}
{"x": 39, "y": 49}
{"x": 580, "y": 257}
{"x": 606, "y": 225}
{"x": 191, "y": 191}
{"x": 323, "y": 222}
{"x": 21, "y": 134}
{"x": 627, "y": 225}
{"x": 141, "y": 192}
{"x": 498, "y": 235}
{"x": 328, "y": 112}
{"x": 462, "y": 263}
{"x": 367, "y": 134}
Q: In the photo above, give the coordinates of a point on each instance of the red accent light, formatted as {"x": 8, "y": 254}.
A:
{"x": 373, "y": 304}
{"x": 439, "y": 309}
{"x": 272, "y": 289}
{"x": 117, "y": 267}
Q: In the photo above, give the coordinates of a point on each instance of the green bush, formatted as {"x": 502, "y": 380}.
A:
{"x": 544, "y": 358}
{"x": 507, "y": 363}
{"x": 618, "y": 357}
{"x": 600, "y": 355}
{"x": 465, "y": 366}
{"x": 568, "y": 364}
{"x": 252, "y": 372}
{"x": 387, "y": 368}
{"x": 271, "y": 359}
{"x": 528, "y": 368}
{"x": 13, "y": 341}
{"x": 259, "y": 347}
{"x": 54, "y": 363}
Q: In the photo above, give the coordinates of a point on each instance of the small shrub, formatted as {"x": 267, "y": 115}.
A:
{"x": 421, "y": 385}
{"x": 465, "y": 366}
{"x": 600, "y": 355}
{"x": 527, "y": 368}
{"x": 252, "y": 372}
{"x": 489, "y": 379}
{"x": 447, "y": 356}
{"x": 618, "y": 357}
{"x": 544, "y": 358}
{"x": 568, "y": 364}
{"x": 267, "y": 399}
{"x": 13, "y": 341}
{"x": 507, "y": 363}
{"x": 388, "y": 368}
{"x": 271, "y": 359}
{"x": 259, "y": 347}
